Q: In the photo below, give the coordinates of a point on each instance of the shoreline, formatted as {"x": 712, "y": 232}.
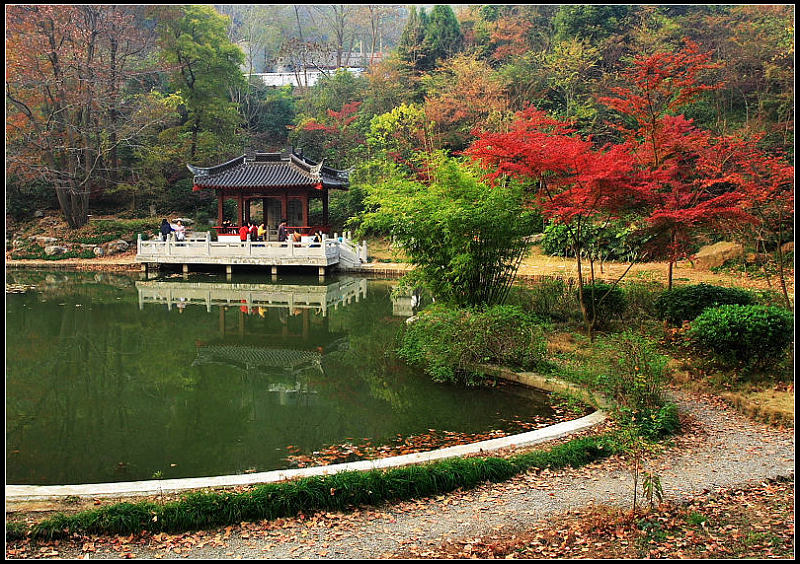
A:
{"x": 529, "y": 271}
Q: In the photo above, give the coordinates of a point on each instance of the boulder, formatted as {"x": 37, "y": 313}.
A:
{"x": 788, "y": 247}
{"x": 756, "y": 258}
{"x": 45, "y": 240}
{"x": 52, "y": 250}
{"x": 98, "y": 251}
{"x": 714, "y": 255}
{"x": 116, "y": 246}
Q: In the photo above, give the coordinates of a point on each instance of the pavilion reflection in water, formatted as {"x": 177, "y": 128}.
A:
{"x": 278, "y": 333}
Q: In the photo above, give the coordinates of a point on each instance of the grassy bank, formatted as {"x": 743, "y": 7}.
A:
{"x": 202, "y": 510}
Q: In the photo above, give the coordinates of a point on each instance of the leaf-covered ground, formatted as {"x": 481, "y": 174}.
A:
{"x": 750, "y": 522}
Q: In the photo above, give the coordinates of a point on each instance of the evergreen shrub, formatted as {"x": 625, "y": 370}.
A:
{"x": 687, "y": 302}
{"x": 753, "y": 335}
{"x": 446, "y": 342}
{"x": 604, "y": 301}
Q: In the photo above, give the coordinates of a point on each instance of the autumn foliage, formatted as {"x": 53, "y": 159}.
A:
{"x": 68, "y": 114}
{"x": 333, "y": 137}
{"x": 678, "y": 179}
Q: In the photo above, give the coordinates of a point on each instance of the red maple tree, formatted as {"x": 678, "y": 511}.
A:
{"x": 691, "y": 168}
{"x": 573, "y": 181}
{"x": 678, "y": 178}
{"x": 337, "y": 136}
{"x": 766, "y": 183}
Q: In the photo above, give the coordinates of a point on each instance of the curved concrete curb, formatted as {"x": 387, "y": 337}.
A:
{"x": 19, "y": 493}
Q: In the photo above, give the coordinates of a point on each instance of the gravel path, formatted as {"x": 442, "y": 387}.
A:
{"x": 721, "y": 449}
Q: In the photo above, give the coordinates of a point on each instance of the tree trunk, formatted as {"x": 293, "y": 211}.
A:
{"x": 669, "y": 276}
{"x": 74, "y": 205}
{"x": 586, "y": 321}
{"x": 671, "y": 263}
{"x": 781, "y": 275}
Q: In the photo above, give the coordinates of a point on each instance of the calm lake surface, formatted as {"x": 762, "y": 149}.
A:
{"x": 111, "y": 377}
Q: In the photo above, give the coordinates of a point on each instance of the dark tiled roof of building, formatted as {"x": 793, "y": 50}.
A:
{"x": 269, "y": 170}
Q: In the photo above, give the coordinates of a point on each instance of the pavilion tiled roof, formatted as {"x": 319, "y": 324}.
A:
{"x": 269, "y": 170}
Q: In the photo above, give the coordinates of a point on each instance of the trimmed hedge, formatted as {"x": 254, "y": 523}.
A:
{"x": 334, "y": 492}
{"x": 751, "y": 334}
{"x": 687, "y": 302}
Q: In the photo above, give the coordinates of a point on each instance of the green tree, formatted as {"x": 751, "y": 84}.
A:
{"x": 591, "y": 22}
{"x": 274, "y": 110}
{"x": 464, "y": 238}
{"x": 401, "y": 135}
{"x": 443, "y": 37}
{"x": 410, "y": 46}
{"x": 571, "y": 69}
{"x": 206, "y": 65}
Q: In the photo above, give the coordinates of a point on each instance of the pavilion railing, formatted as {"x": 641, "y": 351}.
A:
{"x": 198, "y": 247}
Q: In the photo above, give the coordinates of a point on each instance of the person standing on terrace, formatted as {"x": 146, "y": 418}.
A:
{"x": 166, "y": 229}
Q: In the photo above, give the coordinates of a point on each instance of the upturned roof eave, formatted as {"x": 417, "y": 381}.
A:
{"x": 200, "y": 186}
{"x": 329, "y": 178}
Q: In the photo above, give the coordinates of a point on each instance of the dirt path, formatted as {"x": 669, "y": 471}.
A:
{"x": 718, "y": 449}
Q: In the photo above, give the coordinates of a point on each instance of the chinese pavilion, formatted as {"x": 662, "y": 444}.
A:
{"x": 284, "y": 183}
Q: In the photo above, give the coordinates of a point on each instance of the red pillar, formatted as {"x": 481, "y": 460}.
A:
{"x": 220, "y": 206}
{"x": 304, "y": 200}
{"x": 325, "y": 220}
{"x": 241, "y": 210}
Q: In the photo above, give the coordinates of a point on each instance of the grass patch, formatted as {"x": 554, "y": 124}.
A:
{"x": 771, "y": 405}
{"x": 94, "y": 239}
{"x": 16, "y": 530}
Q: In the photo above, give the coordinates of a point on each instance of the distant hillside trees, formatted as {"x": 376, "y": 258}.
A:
{"x": 429, "y": 39}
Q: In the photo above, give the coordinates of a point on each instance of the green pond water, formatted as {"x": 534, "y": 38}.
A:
{"x": 111, "y": 377}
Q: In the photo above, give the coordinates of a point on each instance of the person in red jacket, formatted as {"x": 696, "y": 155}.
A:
{"x": 253, "y": 232}
{"x": 243, "y": 231}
